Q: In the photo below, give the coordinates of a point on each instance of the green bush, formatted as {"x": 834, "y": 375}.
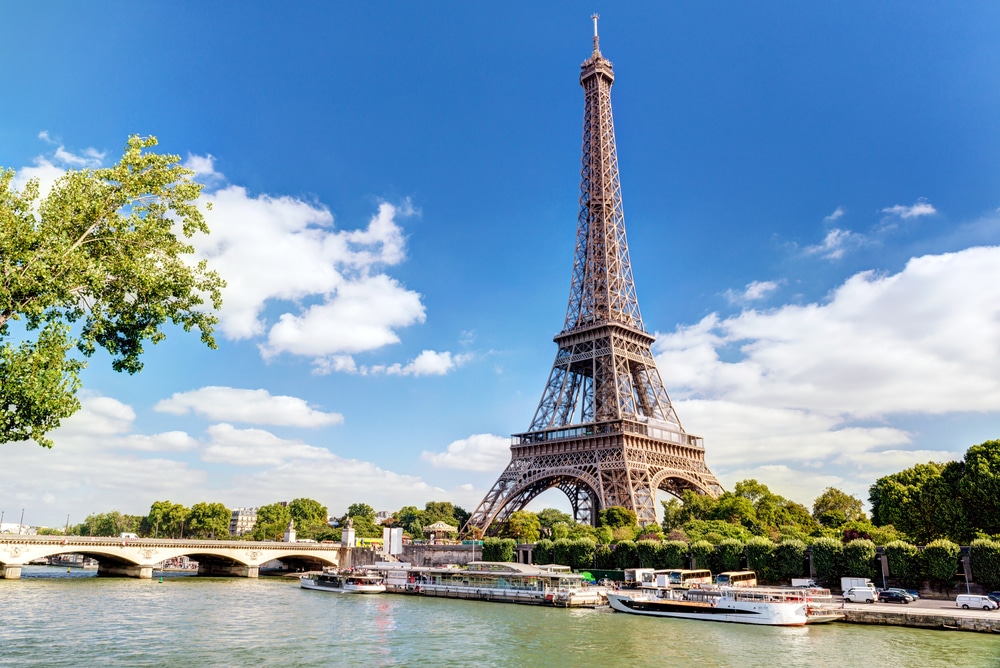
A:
{"x": 646, "y": 552}
{"x": 984, "y": 556}
{"x": 826, "y": 559}
{"x": 542, "y": 554}
{"x": 581, "y": 553}
{"x": 726, "y": 556}
{"x": 790, "y": 559}
{"x": 562, "y": 552}
{"x": 604, "y": 556}
{"x": 672, "y": 554}
{"x": 904, "y": 563}
{"x": 701, "y": 550}
{"x": 941, "y": 561}
{"x": 858, "y": 559}
{"x": 760, "y": 558}
{"x": 499, "y": 549}
{"x": 625, "y": 554}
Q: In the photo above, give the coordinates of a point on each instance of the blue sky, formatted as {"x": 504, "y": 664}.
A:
{"x": 810, "y": 191}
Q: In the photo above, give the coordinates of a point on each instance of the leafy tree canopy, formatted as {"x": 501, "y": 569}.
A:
{"x": 103, "y": 251}
{"x": 834, "y": 507}
{"x": 208, "y": 520}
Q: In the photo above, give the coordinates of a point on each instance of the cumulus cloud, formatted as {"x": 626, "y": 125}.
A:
{"x": 249, "y": 406}
{"x": 479, "y": 452}
{"x": 255, "y": 447}
{"x": 47, "y": 168}
{"x": 814, "y": 387}
{"x": 836, "y": 243}
{"x": 754, "y": 291}
{"x": 921, "y": 208}
{"x": 837, "y": 213}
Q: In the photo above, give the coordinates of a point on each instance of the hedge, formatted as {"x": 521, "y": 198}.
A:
{"x": 941, "y": 561}
{"x": 499, "y": 549}
{"x": 985, "y": 561}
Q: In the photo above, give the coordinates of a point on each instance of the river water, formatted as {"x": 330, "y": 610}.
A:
{"x": 54, "y": 618}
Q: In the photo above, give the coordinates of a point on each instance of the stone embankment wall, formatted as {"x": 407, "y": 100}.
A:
{"x": 440, "y": 555}
{"x": 986, "y": 622}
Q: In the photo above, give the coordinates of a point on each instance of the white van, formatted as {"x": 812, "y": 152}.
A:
{"x": 967, "y": 601}
{"x": 861, "y": 595}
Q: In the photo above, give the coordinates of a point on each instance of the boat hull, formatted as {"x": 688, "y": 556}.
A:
{"x": 309, "y": 583}
{"x": 737, "y": 612}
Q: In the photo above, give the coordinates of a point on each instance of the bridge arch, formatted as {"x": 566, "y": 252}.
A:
{"x": 579, "y": 487}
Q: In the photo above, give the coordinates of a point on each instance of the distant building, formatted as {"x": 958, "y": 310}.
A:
{"x": 242, "y": 521}
{"x": 15, "y": 528}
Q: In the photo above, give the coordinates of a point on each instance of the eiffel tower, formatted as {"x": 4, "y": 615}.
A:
{"x": 605, "y": 432}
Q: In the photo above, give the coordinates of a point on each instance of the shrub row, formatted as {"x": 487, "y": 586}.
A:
{"x": 775, "y": 562}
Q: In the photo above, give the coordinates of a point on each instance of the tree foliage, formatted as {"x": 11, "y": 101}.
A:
{"x": 208, "y": 520}
{"x": 106, "y": 251}
{"x": 523, "y": 526}
{"x": 166, "y": 520}
{"x": 310, "y": 517}
{"x": 834, "y": 507}
{"x": 113, "y": 523}
{"x": 272, "y": 522}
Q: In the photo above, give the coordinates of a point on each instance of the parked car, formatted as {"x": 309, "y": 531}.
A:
{"x": 967, "y": 601}
{"x": 861, "y": 594}
{"x": 894, "y": 596}
{"x": 912, "y": 593}
{"x": 995, "y": 595}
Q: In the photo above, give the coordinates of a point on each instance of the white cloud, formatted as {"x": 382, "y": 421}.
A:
{"x": 921, "y": 208}
{"x": 255, "y": 447}
{"x": 836, "y": 243}
{"x": 250, "y": 406}
{"x": 284, "y": 254}
{"x": 816, "y": 387}
{"x": 362, "y": 315}
{"x": 48, "y": 168}
{"x": 479, "y": 452}
{"x": 427, "y": 363}
{"x": 837, "y": 213}
{"x": 754, "y": 291}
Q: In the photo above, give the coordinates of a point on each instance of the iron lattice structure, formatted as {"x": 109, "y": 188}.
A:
{"x": 605, "y": 431}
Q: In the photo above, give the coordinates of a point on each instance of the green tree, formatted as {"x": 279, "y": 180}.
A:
{"x": 362, "y": 516}
{"x": 113, "y": 523}
{"x": 941, "y": 561}
{"x": 980, "y": 486}
{"x": 760, "y": 558}
{"x": 789, "y": 559}
{"x": 617, "y": 517}
{"x": 726, "y": 556}
{"x": 166, "y": 520}
{"x": 858, "y": 559}
{"x": 107, "y": 249}
{"x": 272, "y": 521}
{"x": 904, "y": 564}
{"x": 310, "y": 517}
{"x": 524, "y": 526}
{"x": 923, "y": 502}
{"x": 834, "y": 507}
{"x": 550, "y": 518}
{"x": 826, "y": 554}
{"x": 208, "y": 520}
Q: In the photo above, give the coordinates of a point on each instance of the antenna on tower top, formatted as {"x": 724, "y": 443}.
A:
{"x": 595, "y": 17}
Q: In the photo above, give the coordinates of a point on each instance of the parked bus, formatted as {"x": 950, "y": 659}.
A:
{"x": 689, "y": 578}
{"x": 736, "y": 579}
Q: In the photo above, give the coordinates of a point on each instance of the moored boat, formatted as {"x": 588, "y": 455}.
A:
{"x": 771, "y": 606}
{"x": 344, "y": 582}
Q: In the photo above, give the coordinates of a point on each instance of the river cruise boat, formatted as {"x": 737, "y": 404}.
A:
{"x": 499, "y": 581}
{"x": 345, "y": 582}
{"x": 771, "y": 606}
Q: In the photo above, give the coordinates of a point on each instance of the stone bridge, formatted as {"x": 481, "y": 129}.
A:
{"x": 138, "y": 557}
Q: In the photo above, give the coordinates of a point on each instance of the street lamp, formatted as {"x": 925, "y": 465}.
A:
{"x": 20, "y": 525}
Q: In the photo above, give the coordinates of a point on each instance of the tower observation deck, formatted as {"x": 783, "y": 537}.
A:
{"x": 605, "y": 431}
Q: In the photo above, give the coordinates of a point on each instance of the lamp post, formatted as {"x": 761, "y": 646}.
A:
{"x": 20, "y": 525}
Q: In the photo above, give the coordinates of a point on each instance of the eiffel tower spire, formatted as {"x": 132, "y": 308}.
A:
{"x": 605, "y": 431}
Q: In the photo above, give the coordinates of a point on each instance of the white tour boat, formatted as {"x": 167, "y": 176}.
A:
{"x": 772, "y": 606}
{"x": 345, "y": 582}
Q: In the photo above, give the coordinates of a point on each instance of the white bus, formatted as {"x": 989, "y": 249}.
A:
{"x": 689, "y": 578}
{"x": 736, "y": 579}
